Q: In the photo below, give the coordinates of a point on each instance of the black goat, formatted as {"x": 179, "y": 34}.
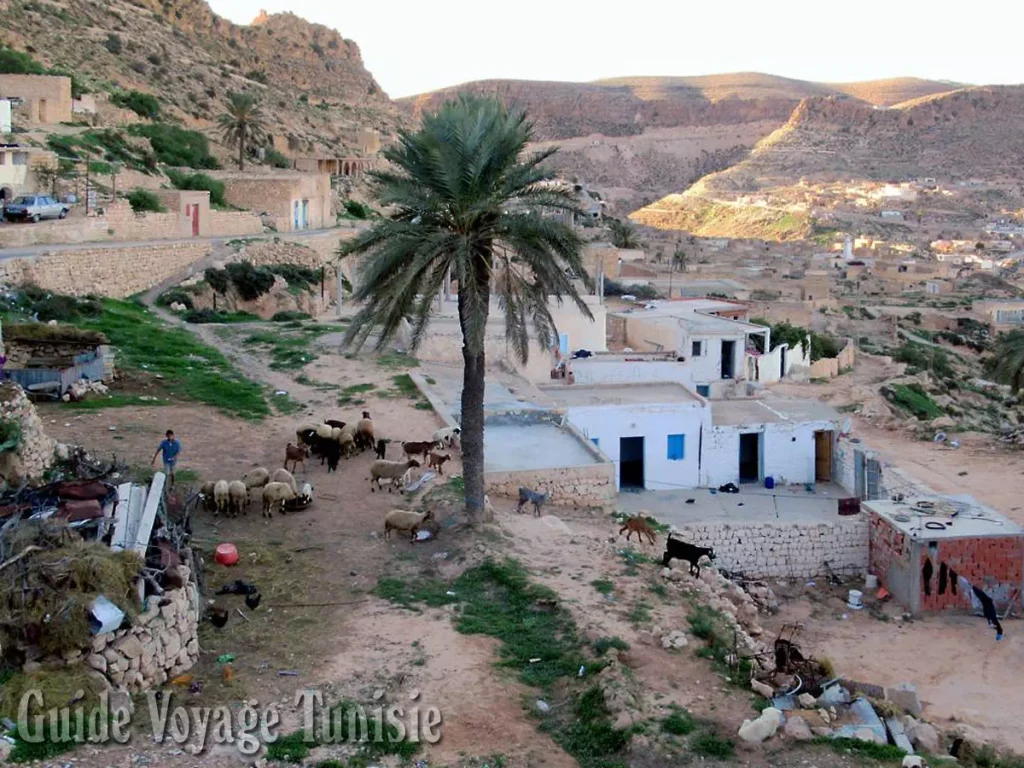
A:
{"x": 680, "y": 550}
{"x": 382, "y": 448}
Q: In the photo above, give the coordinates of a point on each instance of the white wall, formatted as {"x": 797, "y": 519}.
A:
{"x": 5, "y": 116}
{"x": 769, "y": 366}
{"x": 707, "y": 368}
{"x": 787, "y": 452}
{"x": 609, "y": 423}
{"x": 594, "y": 370}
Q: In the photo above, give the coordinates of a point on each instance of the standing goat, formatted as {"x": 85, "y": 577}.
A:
{"x": 535, "y": 497}
{"x": 296, "y": 454}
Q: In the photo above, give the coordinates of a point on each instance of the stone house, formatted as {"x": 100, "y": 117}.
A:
{"x": 293, "y": 201}
{"x": 17, "y": 164}
{"x": 44, "y": 99}
{"x": 192, "y": 207}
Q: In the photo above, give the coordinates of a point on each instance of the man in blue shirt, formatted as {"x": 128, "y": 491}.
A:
{"x": 170, "y": 447}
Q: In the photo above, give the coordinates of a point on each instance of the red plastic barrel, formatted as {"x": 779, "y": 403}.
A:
{"x": 226, "y": 554}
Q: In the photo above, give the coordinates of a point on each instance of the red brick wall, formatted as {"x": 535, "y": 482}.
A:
{"x": 886, "y": 544}
{"x": 994, "y": 564}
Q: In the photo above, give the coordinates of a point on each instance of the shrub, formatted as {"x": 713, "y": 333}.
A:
{"x": 711, "y": 745}
{"x": 277, "y": 159}
{"x": 642, "y": 291}
{"x": 822, "y": 345}
{"x": 603, "y": 644}
{"x": 250, "y": 282}
{"x": 288, "y": 315}
{"x": 217, "y": 278}
{"x": 14, "y": 62}
{"x": 113, "y": 44}
{"x": 924, "y": 358}
{"x": 143, "y": 104}
{"x": 257, "y": 75}
{"x": 144, "y": 200}
{"x": 177, "y": 146}
{"x": 913, "y": 399}
{"x": 678, "y": 723}
{"x": 357, "y": 210}
{"x": 198, "y": 181}
{"x": 175, "y": 296}
{"x": 64, "y": 309}
{"x": 297, "y": 276}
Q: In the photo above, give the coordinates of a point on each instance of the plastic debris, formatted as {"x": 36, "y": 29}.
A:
{"x": 226, "y": 658}
{"x": 287, "y": 673}
{"x": 424, "y": 535}
{"x": 542, "y": 706}
{"x": 450, "y": 593}
{"x": 583, "y": 668}
{"x": 534, "y": 661}
{"x": 281, "y": 393}
{"x": 106, "y": 617}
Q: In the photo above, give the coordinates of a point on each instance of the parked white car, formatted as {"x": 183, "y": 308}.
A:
{"x": 35, "y": 208}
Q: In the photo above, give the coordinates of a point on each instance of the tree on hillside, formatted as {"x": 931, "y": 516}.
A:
{"x": 1007, "y": 362}
{"x": 462, "y": 198}
{"x": 243, "y": 124}
{"x": 679, "y": 259}
{"x": 623, "y": 234}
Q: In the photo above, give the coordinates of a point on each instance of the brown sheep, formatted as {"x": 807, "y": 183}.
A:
{"x": 296, "y": 454}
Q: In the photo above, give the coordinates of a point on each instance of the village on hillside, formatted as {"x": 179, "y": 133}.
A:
{"x": 341, "y": 448}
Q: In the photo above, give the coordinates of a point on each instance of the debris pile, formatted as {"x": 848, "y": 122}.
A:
{"x": 26, "y": 452}
{"x": 82, "y": 389}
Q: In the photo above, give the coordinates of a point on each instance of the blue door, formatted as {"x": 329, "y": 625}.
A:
{"x": 305, "y": 214}
{"x": 296, "y": 211}
{"x": 563, "y": 344}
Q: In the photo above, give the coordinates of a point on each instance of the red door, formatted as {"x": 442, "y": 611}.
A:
{"x": 195, "y": 221}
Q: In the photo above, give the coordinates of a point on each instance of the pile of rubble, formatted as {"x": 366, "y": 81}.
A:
{"x": 738, "y": 606}
{"x": 83, "y": 388}
{"x": 29, "y": 452}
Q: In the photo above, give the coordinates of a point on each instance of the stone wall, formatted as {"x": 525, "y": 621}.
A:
{"x": 117, "y": 271}
{"x": 276, "y": 195}
{"x": 162, "y": 642}
{"x": 35, "y": 453}
{"x": 830, "y": 367}
{"x": 794, "y": 550}
{"x": 21, "y": 351}
{"x": 47, "y": 98}
{"x": 587, "y": 486}
{"x": 223, "y": 223}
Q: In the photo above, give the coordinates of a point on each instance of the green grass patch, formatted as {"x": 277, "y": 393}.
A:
{"x": 702, "y": 622}
{"x": 604, "y": 586}
{"x": 603, "y": 644}
{"x": 113, "y": 401}
{"x": 679, "y": 722}
{"x": 659, "y": 589}
{"x": 315, "y": 383}
{"x": 913, "y": 399}
{"x": 208, "y": 316}
{"x": 397, "y": 360}
{"x": 350, "y": 395}
{"x": 286, "y": 405}
{"x": 640, "y": 613}
{"x": 712, "y": 745}
{"x": 882, "y": 752}
{"x": 176, "y": 146}
{"x": 190, "y": 369}
{"x": 589, "y": 735}
{"x": 289, "y": 350}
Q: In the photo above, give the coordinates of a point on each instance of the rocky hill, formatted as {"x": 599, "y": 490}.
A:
{"x": 639, "y": 138}
{"x": 311, "y": 80}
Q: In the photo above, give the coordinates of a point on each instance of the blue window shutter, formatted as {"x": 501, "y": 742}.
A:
{"x": 563, "y": 344}
{"x": 596, "y": 441}
{"x": 676, "y": 447}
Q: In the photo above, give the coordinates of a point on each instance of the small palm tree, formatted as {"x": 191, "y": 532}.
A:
{"x": 1007, "y": 362}
{"x": 462, "y": 199}
{"x": 243, "y": 124}
{"x": 623, "y": 234}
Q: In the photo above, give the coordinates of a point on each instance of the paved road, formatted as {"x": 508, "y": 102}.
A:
{"x": 215, "y": 242}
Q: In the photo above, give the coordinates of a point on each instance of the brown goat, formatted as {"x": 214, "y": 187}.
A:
{"x": 419, "y": 448}
{"x": 638, "y": 525}
{"x": 296, "y": 454}
{"x": 437, "y": 460}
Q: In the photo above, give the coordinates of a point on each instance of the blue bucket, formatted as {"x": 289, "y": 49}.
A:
{"x": 769, "y": 482}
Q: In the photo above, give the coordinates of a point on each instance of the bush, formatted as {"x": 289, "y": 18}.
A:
{"x": 177, "y": 146}
{"x": 217, "y": 279}
{"x": 924, "y": 358}
{"x": 357, "y": 210}
{"x": 113, "y": 44}
{"x": 143, "y": 104}
{"x": 913, "y": 399}
{"x": 14, "y": 62}
{"x": 642, "y": 291}
{"x": 257, "y": 75}
{"x": 199, "y": 182}
{"x": 297, "y": 276}
{"x": 711, "y": 745}
{"x": 288, "y": 315}
{"x": 250, "y": 282}
{"x": 201, "y": 316}
{"x": 276, "y": 159}
{"x": 822, "y": 345}
{"x": 144, "y": 200}
{"x": 175, "y": 296}
{"x": 64, "y": 309}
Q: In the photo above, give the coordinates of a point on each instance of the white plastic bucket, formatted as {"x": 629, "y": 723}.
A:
{"x": 870, "y": 582}
{"x": 854, "y": 599}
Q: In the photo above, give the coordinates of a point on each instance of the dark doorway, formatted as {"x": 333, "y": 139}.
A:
{"x": 782, "y": 361}
{"x": 823, "y": 456}
{"x": 631, "y": 462}
{"x": 728, "y": 348}
{"x": 750, "y": 457}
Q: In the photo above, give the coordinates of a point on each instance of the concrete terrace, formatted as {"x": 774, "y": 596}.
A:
{"x": 620, "y": 394}
{"x": 931, "y": 518}
{"x": 770, "y": 410}
{"x": 753, "y": 504}
{"x": 516, "y": 447}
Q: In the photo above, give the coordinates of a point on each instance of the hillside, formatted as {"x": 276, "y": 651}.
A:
{"x": 311, "y": 80}
{"x": 639, "y": 138}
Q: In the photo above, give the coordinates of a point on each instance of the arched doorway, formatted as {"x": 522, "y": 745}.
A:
{"x": 344, "y": 169}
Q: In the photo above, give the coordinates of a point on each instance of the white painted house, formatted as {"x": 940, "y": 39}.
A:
{"x": 651, "y": 432}
{"x": 791, "y": 441}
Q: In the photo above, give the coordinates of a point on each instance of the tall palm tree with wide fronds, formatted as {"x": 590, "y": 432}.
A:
{"x": 462, "y": 198}
{"x": 243, "y": 124}
{"x": 1007, "y": 362}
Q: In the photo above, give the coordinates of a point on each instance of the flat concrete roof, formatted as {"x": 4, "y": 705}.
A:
{"x": 931, "y": 518}
{"x": 572, "y": 395}
{"x": 734, "y": 413}
{"x": 510, "y": 448}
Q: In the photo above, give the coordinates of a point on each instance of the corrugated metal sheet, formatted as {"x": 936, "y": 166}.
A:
{"x": 27, "y": 377}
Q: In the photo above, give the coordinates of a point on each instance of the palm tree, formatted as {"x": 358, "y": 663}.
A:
{"x": 463, "y": 199}
{"x": 623, "y": 234}
{"x": 243, "y": 123}
{"x": 1007, "y": 362}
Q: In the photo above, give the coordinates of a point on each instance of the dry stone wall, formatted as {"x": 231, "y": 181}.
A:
{"x": 796, "y": 550}
{"x": 162, "y": 643}
{"x": 116, "y": 272}
{"x": 586, "y": 486}
{"x": 35, "y": 452}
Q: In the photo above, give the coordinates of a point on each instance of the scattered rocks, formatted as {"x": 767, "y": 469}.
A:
{"x": 797, "y": 729}
{"x": 762, "y": 689}
{"x": 904, "y": 696}
{"x": 763, "y": 727}
{"x": 674, "y": 639}
{"x": 807, "y": 701}
{"x": 924, "y": 737}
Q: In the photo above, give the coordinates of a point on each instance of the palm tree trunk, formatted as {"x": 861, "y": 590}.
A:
{"x": 473, "y": 374}
{"x": 241, "y": 152}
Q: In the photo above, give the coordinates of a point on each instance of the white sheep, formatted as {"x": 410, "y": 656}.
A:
{"x": 284, "y": 476}
{"x": 274, "y": 495}
{"x": 238, "y": 497}
{"x": 206, "y": 494}
{"x": 221, "y": 496}
{"x": 447, "y": 436}
{"x": 365, "y": 438}
{"x": 306, "y": 493}
{"x": 404, "y": 520}
{"x": 382, "y": 469}
{"x": 256, "y": 478}
{"x": 348, "y": 443}
{"x": 324, "y": 431}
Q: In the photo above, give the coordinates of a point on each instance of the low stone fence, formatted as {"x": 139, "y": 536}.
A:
{"x": 830, "y": 367}
{"x": 795, "y": 550}
{"x": 162, "y": 642}
{"x": 114, "y": 271}
{"x": 592, "y": 485}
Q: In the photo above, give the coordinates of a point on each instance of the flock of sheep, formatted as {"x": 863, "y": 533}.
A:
{"x": 330, "y": 441}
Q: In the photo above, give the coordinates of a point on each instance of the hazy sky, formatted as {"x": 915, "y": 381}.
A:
{"x": 412, "y": 46}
